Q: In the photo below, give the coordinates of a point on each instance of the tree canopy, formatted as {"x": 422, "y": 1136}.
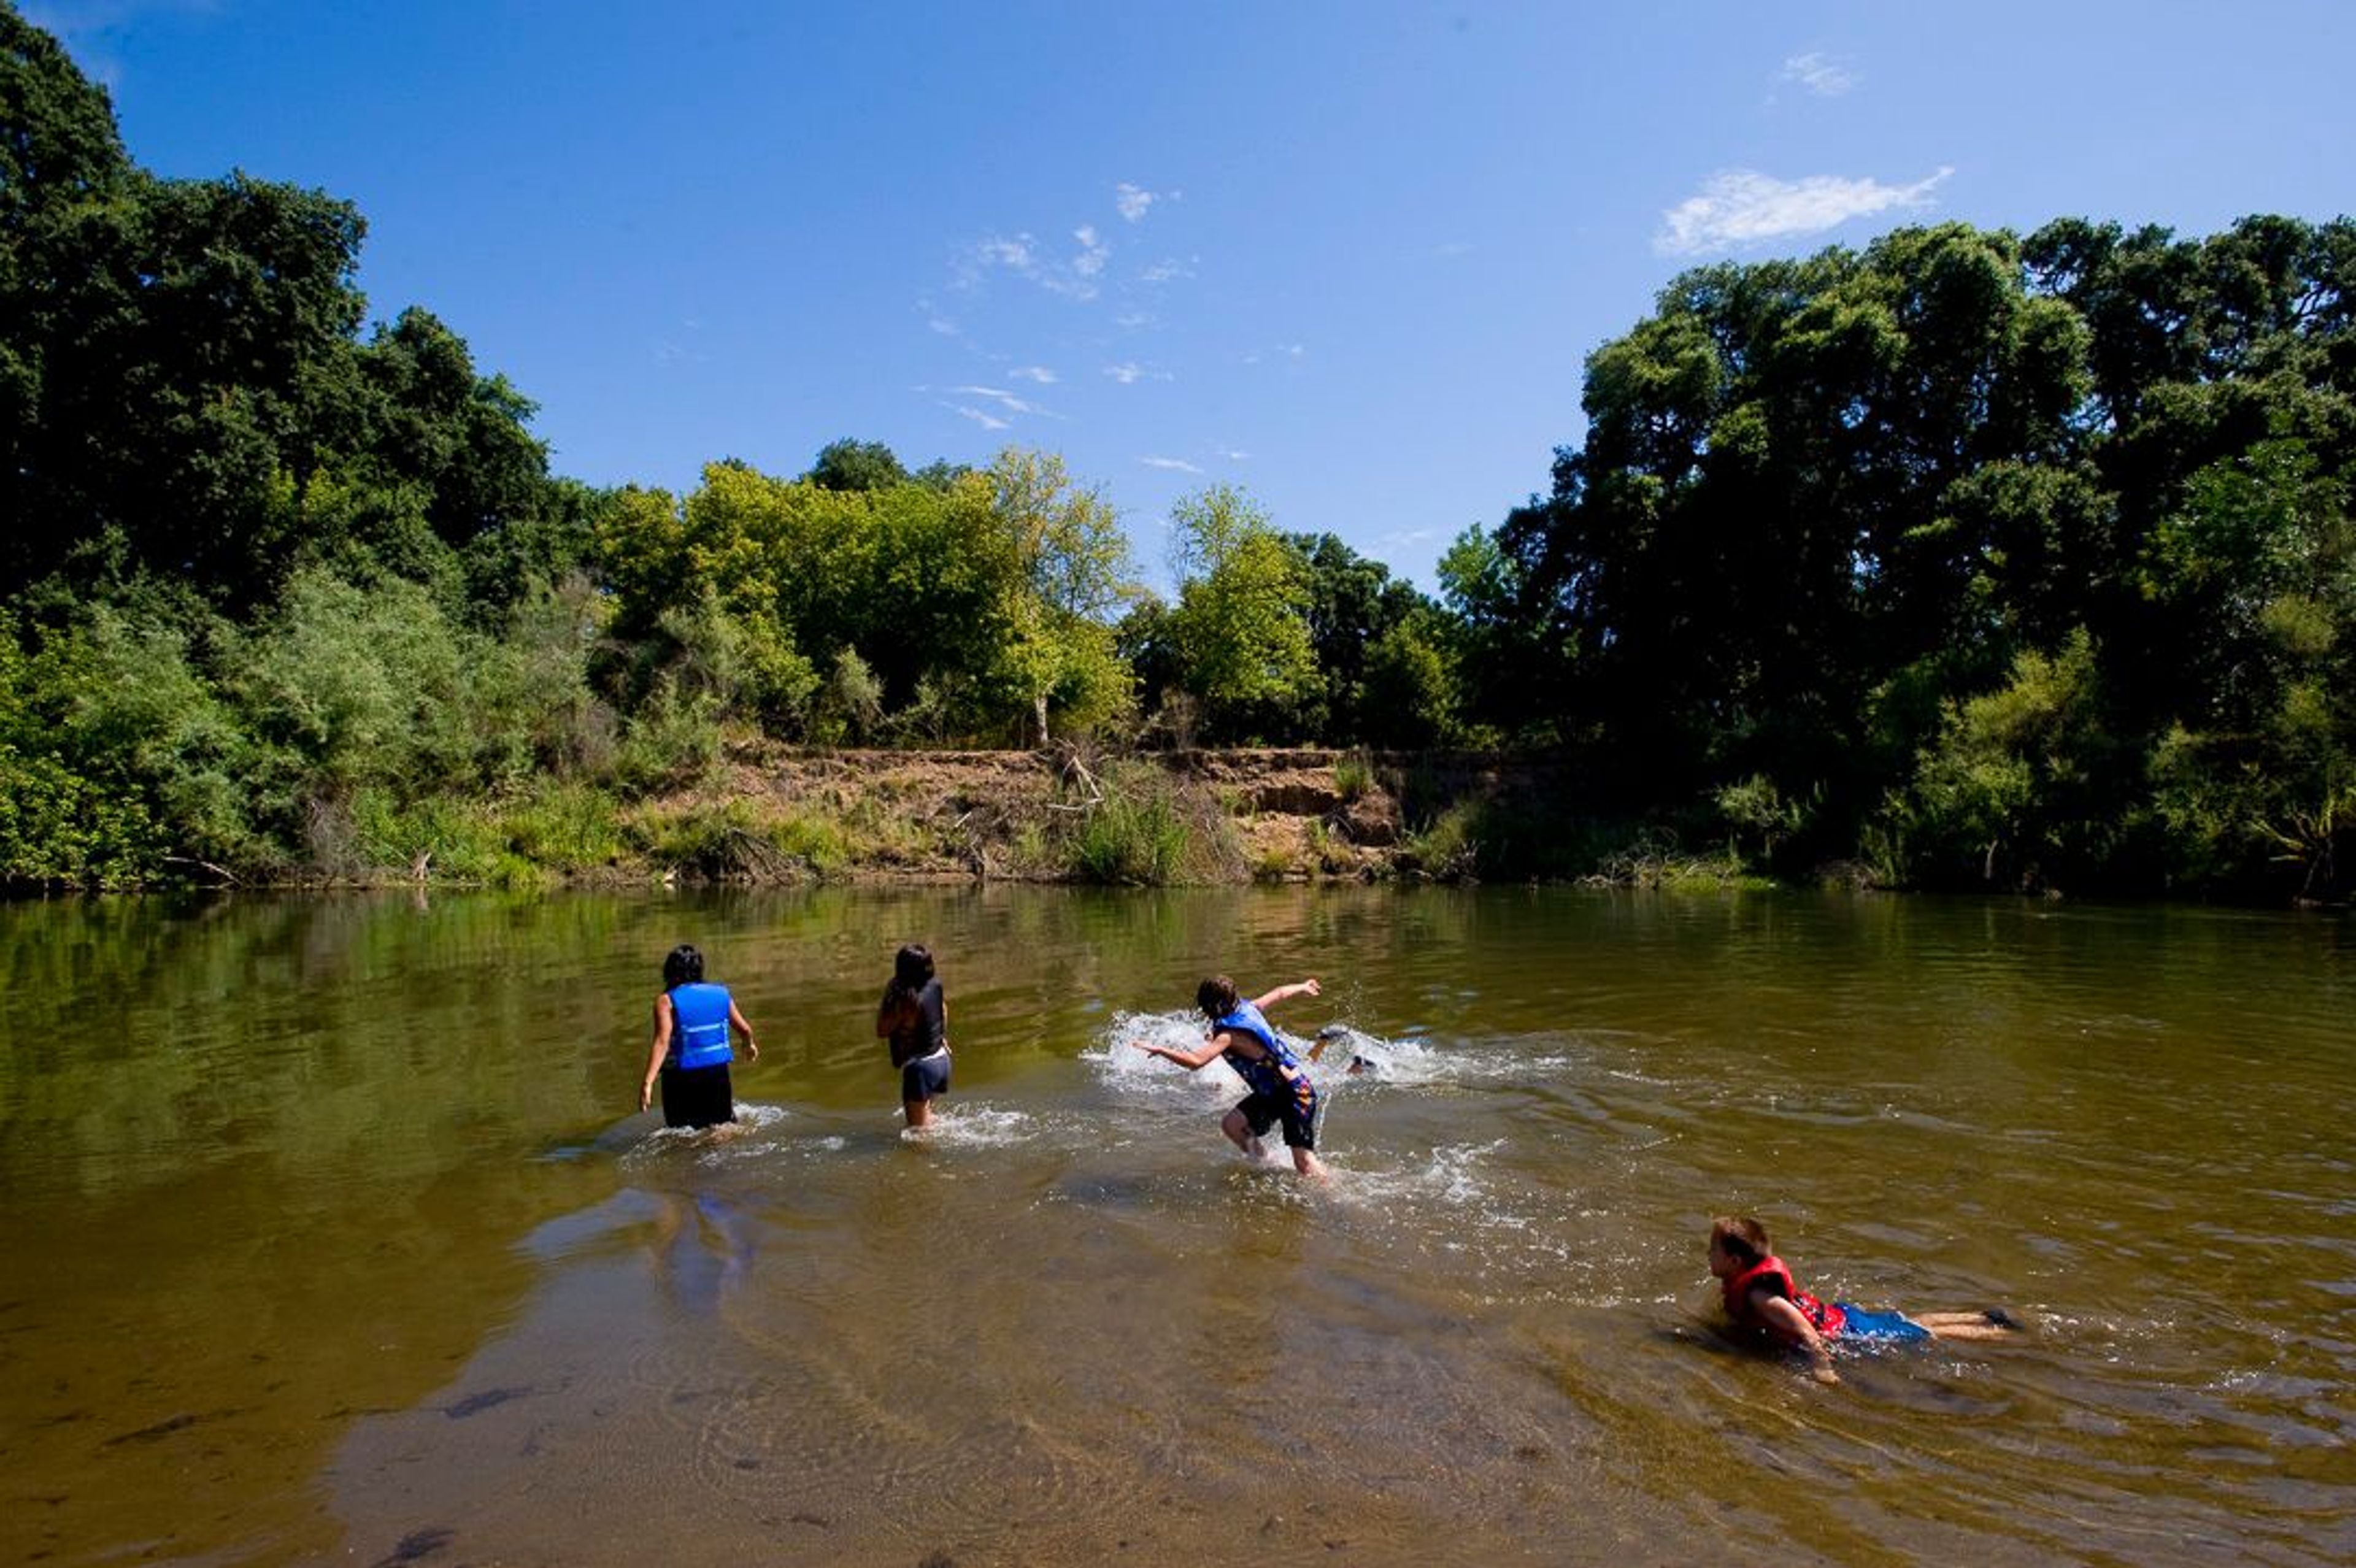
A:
{"x": 1972, "y": 557}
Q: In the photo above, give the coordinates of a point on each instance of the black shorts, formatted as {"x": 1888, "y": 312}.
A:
{"x": 926, "y": 1077}
{"x": 1297, "y": 1111}
{"x": 698, "y": 1096}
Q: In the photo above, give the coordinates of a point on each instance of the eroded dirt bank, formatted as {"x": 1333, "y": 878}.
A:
{"x": 774, "y": 813}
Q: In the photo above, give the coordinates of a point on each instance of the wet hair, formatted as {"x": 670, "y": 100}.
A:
{"x": 911, "y": 969}
{"x": 1743, "y": 1238}
{"x": 682, "y": 967}
{"x": 1215, "y": 996}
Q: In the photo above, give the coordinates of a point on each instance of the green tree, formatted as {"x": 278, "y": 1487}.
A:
{"x": 1354, "y": 604}
{"x": 1070, "y": 576}
{"x": 848, "y": 464}
{"x": 1241, "y": 624}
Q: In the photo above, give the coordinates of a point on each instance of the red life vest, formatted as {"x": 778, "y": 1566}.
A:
{"x": 1828, "y": 1318}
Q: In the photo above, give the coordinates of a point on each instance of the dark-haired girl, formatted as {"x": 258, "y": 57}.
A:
{"x": 916, "y": 1019}
{"x": 690, "y": 1054}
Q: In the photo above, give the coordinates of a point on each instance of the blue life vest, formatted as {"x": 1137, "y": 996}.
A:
{"x": 699, "y": 1030}
{"x": 1278, "y": 1073}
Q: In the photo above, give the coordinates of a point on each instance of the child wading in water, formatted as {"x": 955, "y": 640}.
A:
{"x": 690, "y": 1052}
{"x": 916, "y": 1018}
{"x": 1764, "y": 1303}
{"x": 1281, "y": 1088}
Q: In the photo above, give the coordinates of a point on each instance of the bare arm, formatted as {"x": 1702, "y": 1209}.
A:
{"x": 1791, "y": 1325}
{"x": 1192, "y": 1060}
{"x": 1285, "y": 994}
{"x": 736, "y": 1020}
{"x": 657, "y": 1051}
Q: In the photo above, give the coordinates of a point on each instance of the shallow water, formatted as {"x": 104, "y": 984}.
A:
{"x": 330, "y": 1240}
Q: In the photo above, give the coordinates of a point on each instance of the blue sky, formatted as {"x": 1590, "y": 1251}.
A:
{"x": 1348, "y": 257}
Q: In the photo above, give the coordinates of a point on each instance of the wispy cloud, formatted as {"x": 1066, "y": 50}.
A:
{"x": 1128, "y": 373}
{"x": 1021, "y": 254}
{"x": 1016, "y": 254}
{"x": 1167, "y": 270}
{"x": 1744, "y": 206}
{"x": 981, "y": 417}
{"x": 1824, "y": 75}
{"x": 1004, "y": 400}
{"x": 1039, "y": 373}
{"x": 682, "y": 349}
{"x": 1232, "y": 455}
{"x": 1281, "y": 351}
{"x": 1174, "y": 465}
{"x": 1134, "y": 201}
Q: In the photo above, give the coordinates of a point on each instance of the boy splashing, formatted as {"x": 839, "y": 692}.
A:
{"x": 1282, "y": 1092}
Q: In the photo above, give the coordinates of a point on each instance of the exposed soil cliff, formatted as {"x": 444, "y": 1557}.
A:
{"x": 774, "y": 814}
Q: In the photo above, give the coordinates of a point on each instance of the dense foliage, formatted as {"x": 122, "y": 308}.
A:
{"x": 1970, "y": 559}
{"x": 2001, "y": 561}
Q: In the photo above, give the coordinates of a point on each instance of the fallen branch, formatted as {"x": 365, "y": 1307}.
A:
{"x": 223, "y": 873}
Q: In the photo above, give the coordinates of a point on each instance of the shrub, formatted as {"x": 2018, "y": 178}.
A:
{"x": 1134, "y": 837}
{"x": 1354, "y": 775}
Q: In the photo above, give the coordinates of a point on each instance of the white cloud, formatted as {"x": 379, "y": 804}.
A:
{"x": 1168, "y": 268}
{"x": 1132, "y": 320}
{"x": 1039, "y": 373}
{"x": 981, "y": 417}
{"x": 1021, "y": 256}
{"x": 1232, "y": 455}
{"x": 1004, "y": 400}
{"x": 1134, "y": 201}
{"x": 1744, "y": 206}
{"x": 1174, "y": 465}
{"x": 1129, "y": 373}
{"x": 1015, "y": 253}
{"x": 1822, "y": 74}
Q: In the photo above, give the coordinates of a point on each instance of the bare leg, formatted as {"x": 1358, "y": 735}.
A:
{"x": 919, "y": 1112}
{"x": 1306, "y": 1162}
{"x": 1239, "y": 1132}
{"x": 1967, "y": 1325}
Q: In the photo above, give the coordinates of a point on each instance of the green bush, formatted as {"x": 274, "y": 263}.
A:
{"x": 438, "y": 838}
{"x": 565, "y": 828}
{"x": 1354, "y": 775}
{"x": 1137, "y": 834}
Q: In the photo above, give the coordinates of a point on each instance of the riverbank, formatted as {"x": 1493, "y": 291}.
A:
{"x": 771, "y": 814}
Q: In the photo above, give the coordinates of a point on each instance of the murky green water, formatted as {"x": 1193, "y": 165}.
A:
{"x": 329, "y": 1238}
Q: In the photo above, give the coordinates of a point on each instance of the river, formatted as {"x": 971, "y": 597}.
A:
{"x": 331, "y": 1235}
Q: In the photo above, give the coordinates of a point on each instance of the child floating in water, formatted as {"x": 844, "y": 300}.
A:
{"x": 1764, "y": 1303}
{"x": 1279, "y": 1085}
{"x": 1361, "y": 1062}
{"x": 916, "y": 1018}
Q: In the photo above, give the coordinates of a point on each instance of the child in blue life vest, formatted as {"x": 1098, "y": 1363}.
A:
{"x": 916, "y": 1018}
{"x": 690, "y": 1054}
{"x": 1281, "y": 1090}
{"x": 1765, "y": 1304}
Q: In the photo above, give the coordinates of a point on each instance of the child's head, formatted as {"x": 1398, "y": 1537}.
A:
{"x": 1740, "y": 1238}
{"x": 912, "y": 968}
{"x": 1215, "y": 996}
{"x": 683, "y": 966}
